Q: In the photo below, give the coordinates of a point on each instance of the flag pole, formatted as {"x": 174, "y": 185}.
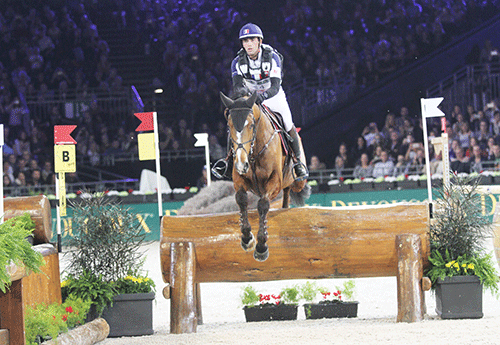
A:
{"x": 426, "y": 149}
{"x": 429, "y": 108}
{"x": 158, "y": 167}
{"x": 202, "y": 140}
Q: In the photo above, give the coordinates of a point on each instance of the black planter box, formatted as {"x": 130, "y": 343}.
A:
{"x": 130, "y": 315}
{"x": 459, "y": 297}
{"x": 270, "y": 312}
{"x": 331, "y": 310}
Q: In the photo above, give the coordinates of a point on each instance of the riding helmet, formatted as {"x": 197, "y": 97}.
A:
{"x": 250, "y": 30}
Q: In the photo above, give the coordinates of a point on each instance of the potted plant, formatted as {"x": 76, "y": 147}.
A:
{"x": 323, "y": 303}
{"x": 16, "y": 248}
{"x": 105, "y": 266}
{"x": 260, "y": 307}
{"x": 459, "y": 266}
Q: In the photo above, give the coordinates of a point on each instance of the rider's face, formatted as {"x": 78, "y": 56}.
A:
{"x": 251, "y": 46}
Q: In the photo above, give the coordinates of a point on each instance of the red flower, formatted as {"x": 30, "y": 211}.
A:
{"x": 130, "y": 191}
{"x": 78, "y": 192}
{"x": 54, "y": 317}
{"x": 65, "y": 317}
{"x": 69, "y": 309}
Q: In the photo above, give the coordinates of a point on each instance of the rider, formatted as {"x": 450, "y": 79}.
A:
{"x": 257, "y": 68}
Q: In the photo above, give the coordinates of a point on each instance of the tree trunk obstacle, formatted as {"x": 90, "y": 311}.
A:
{"x": 304, "y": 243}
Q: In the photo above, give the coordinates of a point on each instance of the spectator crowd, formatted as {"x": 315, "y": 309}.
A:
{"x": 53, "y": 48}
{"x": 397, "y": 147}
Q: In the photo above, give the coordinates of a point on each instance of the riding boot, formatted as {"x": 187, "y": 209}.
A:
{"x": 299, "y": 168}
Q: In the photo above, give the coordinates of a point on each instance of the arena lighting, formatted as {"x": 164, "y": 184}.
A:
{"x": 159, "y": 90}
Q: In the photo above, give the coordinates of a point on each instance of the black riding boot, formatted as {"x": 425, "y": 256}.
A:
{"x": 299, "y": 168}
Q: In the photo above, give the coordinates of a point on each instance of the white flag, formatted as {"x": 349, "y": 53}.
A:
{"x": 430, "y": 107}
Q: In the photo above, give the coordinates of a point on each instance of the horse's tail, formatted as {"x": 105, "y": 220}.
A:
{"x": 299, "y": 198}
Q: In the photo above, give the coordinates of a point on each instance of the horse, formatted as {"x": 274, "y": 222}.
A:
{"x": 260, "y": 166}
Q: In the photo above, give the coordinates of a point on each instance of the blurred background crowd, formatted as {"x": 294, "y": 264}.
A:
{"x": 56, "y": 50}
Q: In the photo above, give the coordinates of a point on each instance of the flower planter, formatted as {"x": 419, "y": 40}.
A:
{"x": 331, "y": 310}
{"x": 271, "y": 312}
{"x": 130, "y": 315}
{"x": 459, "y": 297}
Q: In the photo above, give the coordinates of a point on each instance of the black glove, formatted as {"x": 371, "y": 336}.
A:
{"x": 260, "y": 98}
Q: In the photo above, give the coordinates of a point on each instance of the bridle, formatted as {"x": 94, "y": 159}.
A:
{"x": 251, "y": 140}
{"x": 252, "y": 158}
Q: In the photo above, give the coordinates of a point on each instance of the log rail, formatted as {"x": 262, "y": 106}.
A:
{"x": 304, "y": 243}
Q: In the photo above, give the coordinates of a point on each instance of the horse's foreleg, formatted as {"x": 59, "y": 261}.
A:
{"x": 261, "y": 252}
{"x": 286, "y": 197}
{"x": 247, "y": 239}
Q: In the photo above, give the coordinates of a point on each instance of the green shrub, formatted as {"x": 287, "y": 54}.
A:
{"x": 249, "y": 296}
{"x": 47, "y": 322}
{"x": 290, "y": 295}
{"x": 16, "y": 249}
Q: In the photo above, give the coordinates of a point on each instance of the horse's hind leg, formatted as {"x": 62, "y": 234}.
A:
{"x": 261, "y": 252}
{"x": 247, "y": 239}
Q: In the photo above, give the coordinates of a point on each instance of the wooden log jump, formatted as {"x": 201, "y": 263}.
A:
{"x": 29, "y": 289}
{"x": 304, "y": 243}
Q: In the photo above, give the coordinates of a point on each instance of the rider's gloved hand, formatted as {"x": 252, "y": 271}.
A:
{"x": 260, "y": 98}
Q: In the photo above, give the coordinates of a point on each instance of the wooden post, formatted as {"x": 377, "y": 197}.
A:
{"x": 411, "y": 303}
{"x": 12, "y": 315}
{"x": 199, "y": 314}
{"x": 183, "y": 313}
{"x": 44, "y": 287}
{"x": 4, "y": 337}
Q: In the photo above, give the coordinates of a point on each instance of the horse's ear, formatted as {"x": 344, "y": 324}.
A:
{"x": 251, "y": 100}
{"x": 228, "y": 102}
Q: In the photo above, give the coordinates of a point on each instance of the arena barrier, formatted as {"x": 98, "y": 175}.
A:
{"x": 304, "y": 243}
{"x": 29, "y": 289}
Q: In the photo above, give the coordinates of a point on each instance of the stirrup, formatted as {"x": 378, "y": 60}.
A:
{"x": 219, "y": 168}
{"x": 297, "y": 177}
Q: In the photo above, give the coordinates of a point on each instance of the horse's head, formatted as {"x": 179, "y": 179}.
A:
{"x": 241, "y": 121}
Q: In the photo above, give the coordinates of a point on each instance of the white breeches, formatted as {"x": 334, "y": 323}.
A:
{"x": 279, "y": 104}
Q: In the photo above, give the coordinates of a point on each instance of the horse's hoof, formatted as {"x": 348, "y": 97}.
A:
{"x": 248, "y": 245}
{"x": 261, "y": 256}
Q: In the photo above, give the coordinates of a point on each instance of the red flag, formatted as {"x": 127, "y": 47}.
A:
{"x": 147, "y": 123}
{"x": 62, "y": 135}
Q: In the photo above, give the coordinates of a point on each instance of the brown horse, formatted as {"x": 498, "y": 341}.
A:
{"x": 260, "y": 166}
